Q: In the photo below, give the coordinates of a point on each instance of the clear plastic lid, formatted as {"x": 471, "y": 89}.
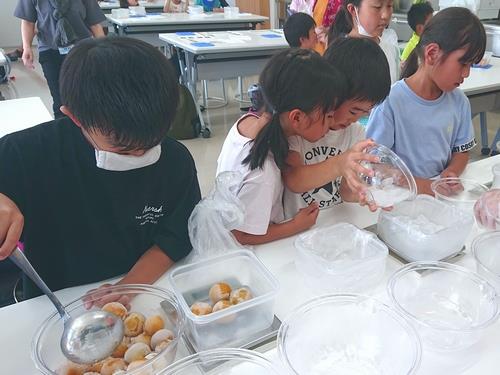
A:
{"x": 392, "y": 181}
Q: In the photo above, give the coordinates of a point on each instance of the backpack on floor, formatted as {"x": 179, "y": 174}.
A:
{"x": 186, "y": 124}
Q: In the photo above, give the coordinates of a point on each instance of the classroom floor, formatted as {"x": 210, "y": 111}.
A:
{"x": 205, "y": 151}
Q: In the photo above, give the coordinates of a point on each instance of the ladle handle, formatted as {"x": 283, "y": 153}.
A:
{"x": 24, "y": 264}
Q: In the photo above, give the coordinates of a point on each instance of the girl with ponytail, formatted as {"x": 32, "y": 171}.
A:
{"x": 300, "y": 91}
{"x": 426, "y": 119}
{"x": 368, "y": 19}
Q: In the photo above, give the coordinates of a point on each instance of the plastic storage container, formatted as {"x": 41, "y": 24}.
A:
{"x": 145, "y": 299}
{"x": 392, "y": 182}
{"x": 424, "y": 229}
{"x": 450, "y": 306}
{"x": 340, "y": 257}
{"x": 348, "y": 334}
{"x": 460, "y": 192}
{"x": 229, "y": 327}
{"x": 223, "y": 362}
{"x": 486, "y": 250}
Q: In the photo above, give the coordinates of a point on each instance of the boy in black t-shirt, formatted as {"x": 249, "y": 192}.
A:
{"x": 103, "y": 191}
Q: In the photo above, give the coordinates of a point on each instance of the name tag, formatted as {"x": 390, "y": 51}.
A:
{"x": 65, "y": 50}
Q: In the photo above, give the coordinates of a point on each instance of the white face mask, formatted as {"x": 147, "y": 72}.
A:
{"x": 111, "y": 161}
{"x": 361, "y": 30}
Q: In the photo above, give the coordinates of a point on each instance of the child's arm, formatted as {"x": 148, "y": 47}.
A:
{"x": 150, "y": 266}
{"x": 305, "y": 218}
{"x": 424, "y": 186}
{"x": 11, "y": 226}
{"x": 455, "y": 168}
{"x": 300, "y": 178}
{"x": 457, "y": 164}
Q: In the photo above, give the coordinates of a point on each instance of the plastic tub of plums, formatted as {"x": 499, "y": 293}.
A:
{"x": 153, "y": 323}
{"x": 226, "y": 299}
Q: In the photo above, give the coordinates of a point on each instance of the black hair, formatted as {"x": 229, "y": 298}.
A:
{"x": 343, "y": 22}
{"x": 418, "y": 13}
{"x": 298, "y": 26}
{"x": 293, "y": 79}
{"x": 365, "y": 67}
{"x": 452, "y": 29}
{"x": 123, "y": 87}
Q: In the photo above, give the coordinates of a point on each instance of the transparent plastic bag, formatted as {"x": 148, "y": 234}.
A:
{"x": 214, "y": 217}
{"x": 487, "y": 210}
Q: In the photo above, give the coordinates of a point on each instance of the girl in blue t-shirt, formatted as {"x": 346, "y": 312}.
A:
{"x": 426, "y": 119}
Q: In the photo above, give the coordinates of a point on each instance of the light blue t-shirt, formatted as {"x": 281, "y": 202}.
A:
{"x": 424, "y": 133}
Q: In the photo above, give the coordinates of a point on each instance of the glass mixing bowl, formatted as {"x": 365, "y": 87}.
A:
{"x": 450, "y": 306}
{"x": 145, "y": 299}
{"x": 486, "y": 250}
{"x": 223, "y": 361}
{"x": 392, "y": 181}
{"x": 460, "y": 192}
{"x": 348, "y": 334}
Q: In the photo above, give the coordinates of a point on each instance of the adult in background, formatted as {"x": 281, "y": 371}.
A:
{"x": 60, "y": 24}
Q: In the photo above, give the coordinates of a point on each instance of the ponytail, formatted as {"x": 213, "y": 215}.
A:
{"x": 451, "y": 29}
{"x": 342, "y": 24}
{"x": 410, "y": 66}
{"x": 292, "y": 79}
{"x": 271, "y": 138}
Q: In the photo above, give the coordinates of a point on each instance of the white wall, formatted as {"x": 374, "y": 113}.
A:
{"x": 10, "y": 26}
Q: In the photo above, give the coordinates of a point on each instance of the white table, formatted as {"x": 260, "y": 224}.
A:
{"x": 151, "y": 6}
{"x": 482, "y": 88}
{"x": 147, "y": 28}
{"x": 20, "y": 321}
{"x": 223, "y": 54}
{"x": 19, "y": 114}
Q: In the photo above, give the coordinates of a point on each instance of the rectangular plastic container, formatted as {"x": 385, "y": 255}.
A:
{"x": 425, "y": 229}
{"x": 340, "y": 257}
{"x": 232, "y": 326}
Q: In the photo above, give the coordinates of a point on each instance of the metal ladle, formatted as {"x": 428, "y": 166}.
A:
{"x": 88, "y": 338}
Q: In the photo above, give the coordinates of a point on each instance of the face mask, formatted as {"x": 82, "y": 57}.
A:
{"x": 361, "y": 30}
{"x": 111, "y": 161}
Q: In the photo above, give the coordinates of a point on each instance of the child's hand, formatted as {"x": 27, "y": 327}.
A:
{"x": 11, "y": 226}
{"x": 350, "y": 167}
{"x": 102, "y": 296}
{"x": 306, "y": 217}
{"x": 447, "y": 173}
{"x": 321, "y": 34}
{"x": 372, "y": 206}
{"x": 487, "y": 209}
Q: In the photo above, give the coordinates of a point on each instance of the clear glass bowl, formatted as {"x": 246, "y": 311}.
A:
{"x": 424, "y": 229}
{"x": 392, "y": 181}
{"x": 486, "y": 251}
{"x": 145, "y": 299}
{"x": 340, "y": 258}
{"x": 460, "y": 192}
{"x": 348, "y": 334}
{"x": 449, "y": 305}
{"x": 222, "y": 362}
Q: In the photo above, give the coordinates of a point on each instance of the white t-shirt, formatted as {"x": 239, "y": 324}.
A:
{"x": 261, "y": 190}
{"x": 389, "y": 44}
{"x": 332, "y": 144}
